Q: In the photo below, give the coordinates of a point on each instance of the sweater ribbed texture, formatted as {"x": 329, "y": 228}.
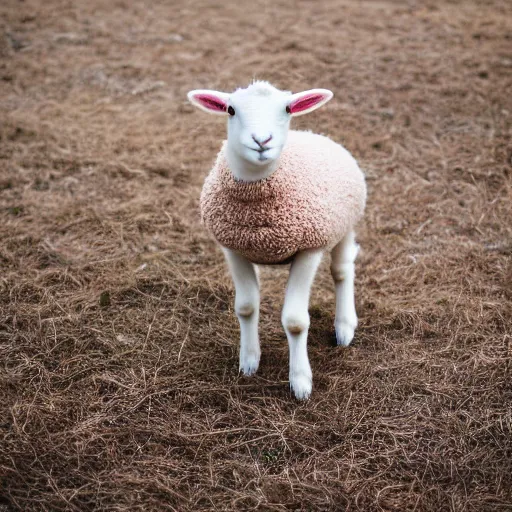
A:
{"x": 313, "y": 198}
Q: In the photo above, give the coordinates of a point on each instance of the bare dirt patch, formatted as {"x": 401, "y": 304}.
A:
{"x": 119, "y": 385}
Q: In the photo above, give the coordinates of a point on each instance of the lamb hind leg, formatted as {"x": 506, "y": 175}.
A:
{"x": 295, "y": 318}
{"x": 343, "y": 273}
{"x": 247, "y": 303}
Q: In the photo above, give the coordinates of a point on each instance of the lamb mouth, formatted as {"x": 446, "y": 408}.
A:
{"x": 261, "y": 151}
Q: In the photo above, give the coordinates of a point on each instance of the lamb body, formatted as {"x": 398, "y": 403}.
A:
{"x": 314, "y": 197}
{"x": 276, "y": 196}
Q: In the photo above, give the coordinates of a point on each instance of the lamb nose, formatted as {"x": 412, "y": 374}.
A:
{"x": 261, "y": 143}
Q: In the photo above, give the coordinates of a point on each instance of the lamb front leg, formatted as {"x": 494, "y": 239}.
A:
{"x": 247, "y": 306}
{"x": 295, "y": 318}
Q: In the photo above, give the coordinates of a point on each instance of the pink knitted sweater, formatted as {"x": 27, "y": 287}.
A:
{"x": 313, "y": 198}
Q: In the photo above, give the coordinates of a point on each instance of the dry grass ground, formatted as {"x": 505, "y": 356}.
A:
{"x": 119, "y": 385}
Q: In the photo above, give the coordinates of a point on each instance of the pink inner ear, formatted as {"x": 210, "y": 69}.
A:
{"x": 211, "y": 102}
{"x": 305, "y": 102}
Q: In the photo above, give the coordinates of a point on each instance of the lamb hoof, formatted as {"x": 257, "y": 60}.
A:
{"x": 301, "y": 386}
{"x": 249, "y": 364}
{"x": 344, "y": 334}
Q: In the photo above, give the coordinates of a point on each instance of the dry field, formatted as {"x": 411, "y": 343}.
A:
{"x": 119, "y": 384}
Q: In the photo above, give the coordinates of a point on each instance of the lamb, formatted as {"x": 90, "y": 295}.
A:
{"x": 276, "y": 196}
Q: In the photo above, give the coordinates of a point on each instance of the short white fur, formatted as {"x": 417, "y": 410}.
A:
{"x": 257, "y": 132}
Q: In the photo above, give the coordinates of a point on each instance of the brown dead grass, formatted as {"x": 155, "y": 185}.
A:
{"x": 119, "y": 385}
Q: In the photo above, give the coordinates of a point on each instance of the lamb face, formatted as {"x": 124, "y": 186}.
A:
{"x": 258, "y": 123}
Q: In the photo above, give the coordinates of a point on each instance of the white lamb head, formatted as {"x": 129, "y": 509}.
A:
{"x": 258, "y": 117}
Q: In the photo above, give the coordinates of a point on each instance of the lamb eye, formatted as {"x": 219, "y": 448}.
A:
{"x": 288, "y": 109}
{"x": 231, "y": 111}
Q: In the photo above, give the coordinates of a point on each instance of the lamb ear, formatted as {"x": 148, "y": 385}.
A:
{"x": 304, "y": 102}
{"x": 213, "y": 102}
